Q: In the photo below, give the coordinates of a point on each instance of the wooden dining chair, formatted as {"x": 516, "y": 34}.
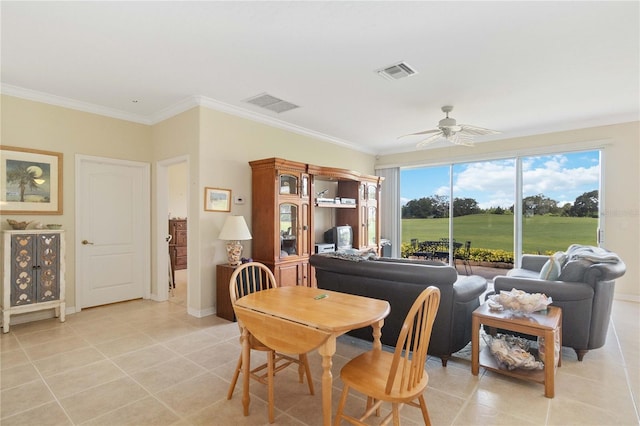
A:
{"x": 399, "y": 377}
{"x": 249, "y": 278}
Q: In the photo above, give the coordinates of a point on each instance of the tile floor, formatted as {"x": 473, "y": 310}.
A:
{"x": 149, "y": 363}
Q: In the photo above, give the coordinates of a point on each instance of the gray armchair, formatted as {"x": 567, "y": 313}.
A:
{"x": 584, "y": 290}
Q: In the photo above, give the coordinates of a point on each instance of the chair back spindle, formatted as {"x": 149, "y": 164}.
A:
{"x": 410, "y": 354}
{"x": 249, "y": 278}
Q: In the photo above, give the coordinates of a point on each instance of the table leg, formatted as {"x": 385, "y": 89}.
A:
{"x": 559, "y": 331}
{"x": 475, "y": 345}
{"x": 549, "y": 365}
{"x": 327, "y": 350}
{"x": 377, "y": 334}
{"x": 5, "y": 320}
{"x": 246, "y": 366}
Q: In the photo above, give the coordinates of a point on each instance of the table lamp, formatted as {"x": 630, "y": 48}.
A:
{"x": 234, "y": 230}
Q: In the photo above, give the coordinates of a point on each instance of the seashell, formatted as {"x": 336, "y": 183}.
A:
{"x": 18, "y": 225}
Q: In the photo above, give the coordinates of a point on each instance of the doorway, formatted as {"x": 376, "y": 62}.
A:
{"x": 173, "y": 212}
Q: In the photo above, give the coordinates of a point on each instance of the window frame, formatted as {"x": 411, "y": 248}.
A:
{"x": 518, "y": 156}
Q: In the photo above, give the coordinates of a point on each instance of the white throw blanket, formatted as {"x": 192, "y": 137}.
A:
{"x": 592, "y": 254}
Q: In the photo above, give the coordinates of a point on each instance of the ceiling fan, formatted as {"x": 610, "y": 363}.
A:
{"x": 459, "y": 134}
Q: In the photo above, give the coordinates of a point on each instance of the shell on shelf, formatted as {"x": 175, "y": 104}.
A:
{"x": 18, "y": 225}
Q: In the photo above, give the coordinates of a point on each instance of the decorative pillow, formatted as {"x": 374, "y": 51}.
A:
{"x": 561, "y": 257}
{"x": 574, "y": 270}
{"x": 551, "y": 270}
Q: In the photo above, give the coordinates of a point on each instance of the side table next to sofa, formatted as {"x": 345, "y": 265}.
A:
{"x": 547, "y": 325}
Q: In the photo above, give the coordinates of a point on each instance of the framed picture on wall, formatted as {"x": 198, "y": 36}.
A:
{"x": 30, "y": 181}
{"x": 217, "y": 200}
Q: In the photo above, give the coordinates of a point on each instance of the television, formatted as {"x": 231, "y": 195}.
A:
{"x": 341, "y": 236}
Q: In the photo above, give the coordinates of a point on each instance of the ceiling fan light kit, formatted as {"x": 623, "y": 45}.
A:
{"x": 449, "y": 129}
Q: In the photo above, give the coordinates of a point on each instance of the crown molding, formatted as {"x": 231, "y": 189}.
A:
{"x": 36, "y": 96}
{"x": 274, "y": 122}
{"x": 171, "y": 111}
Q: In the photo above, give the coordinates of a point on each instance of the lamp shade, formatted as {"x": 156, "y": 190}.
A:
{"x": 235, "y": 229}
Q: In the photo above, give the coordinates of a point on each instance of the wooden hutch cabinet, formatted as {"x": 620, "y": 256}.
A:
{"x": 281, "y": 217}
{"x": 363, "y": 215}
{"x": 364, "y": 219}
{"x": 284, "y": 210}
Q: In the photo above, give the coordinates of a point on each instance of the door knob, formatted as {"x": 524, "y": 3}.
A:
{"x": 85, "y": 242}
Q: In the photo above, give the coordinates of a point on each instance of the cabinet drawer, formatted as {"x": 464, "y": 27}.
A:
{"x": 180, "y": 238}
{"x": 179, "y": 225}
{"x": 181, "y": 263}
{"x": 181, "y": 252}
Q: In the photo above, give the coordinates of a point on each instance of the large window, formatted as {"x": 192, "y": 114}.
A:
{"x": 539, "y": 204}
{"x": 483, "y": 193}
{"x": 560, "y": 201}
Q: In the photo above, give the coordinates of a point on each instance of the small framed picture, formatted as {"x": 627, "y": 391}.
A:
{"x": 30, "y": 181}
{"x": 217, "y": 199}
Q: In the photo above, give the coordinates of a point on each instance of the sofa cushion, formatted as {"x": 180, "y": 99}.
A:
{"x": 551, "y": 269}
{"x": 523, "y": 273}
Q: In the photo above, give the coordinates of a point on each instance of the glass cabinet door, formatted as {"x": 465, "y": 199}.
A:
{"x": 371, "y": 226}
{"x": 288, "y": 229}
{"x": 372, "y": 192}
{"x": 289, "y": 184}
{"x": 304, "y": 186}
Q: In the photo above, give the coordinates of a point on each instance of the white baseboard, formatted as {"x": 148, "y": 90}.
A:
{"x": 627, "y": 297}
{"x": 155, "y": 298}
{"x": 202, "y": 312}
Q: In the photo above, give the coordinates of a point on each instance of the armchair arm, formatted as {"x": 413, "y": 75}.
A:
{"x": 559, "y": 291}
{"x": 604, "y": 272}
{"x": 534, "y": 262}
{"x": 469, "y": 288}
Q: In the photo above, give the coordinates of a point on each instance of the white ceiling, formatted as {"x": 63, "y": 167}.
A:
{"x": 519, "y": 67}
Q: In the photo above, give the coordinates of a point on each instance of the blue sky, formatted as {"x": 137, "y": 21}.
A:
{"x": 561, "y": 177}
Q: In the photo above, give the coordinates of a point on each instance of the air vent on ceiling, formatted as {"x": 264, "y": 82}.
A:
{"x": 271, "y": 103}
{"x": 397, "y": 71}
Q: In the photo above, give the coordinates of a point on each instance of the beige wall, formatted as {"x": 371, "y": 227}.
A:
{"x": 179, "y": 136}
{"x": 177, "y": 190}
{"x": 36, "y": 125}
{"x": 621, "y": 179}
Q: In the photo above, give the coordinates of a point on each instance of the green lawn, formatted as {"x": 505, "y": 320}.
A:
{"x": 540, "y": 233}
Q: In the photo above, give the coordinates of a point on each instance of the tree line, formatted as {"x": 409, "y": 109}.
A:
{"x": 437, "y": 206}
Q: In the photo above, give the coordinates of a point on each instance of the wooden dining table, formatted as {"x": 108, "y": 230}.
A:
{"x": 299, "y": 319}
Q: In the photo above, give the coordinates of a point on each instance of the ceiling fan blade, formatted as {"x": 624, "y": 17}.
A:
{"x": 477, "y": 131}
{"x": 460, "y": 139}
{"x": 429, "y": 140}
{"x": 426, "y": 132}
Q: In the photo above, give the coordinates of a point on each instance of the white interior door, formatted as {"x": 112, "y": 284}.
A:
{"x": 113, "y": 239}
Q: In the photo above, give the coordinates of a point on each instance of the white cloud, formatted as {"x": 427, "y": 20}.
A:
{"x": 491, "y": 183}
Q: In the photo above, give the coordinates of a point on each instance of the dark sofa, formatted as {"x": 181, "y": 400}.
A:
{"x": 400, "y": 281}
